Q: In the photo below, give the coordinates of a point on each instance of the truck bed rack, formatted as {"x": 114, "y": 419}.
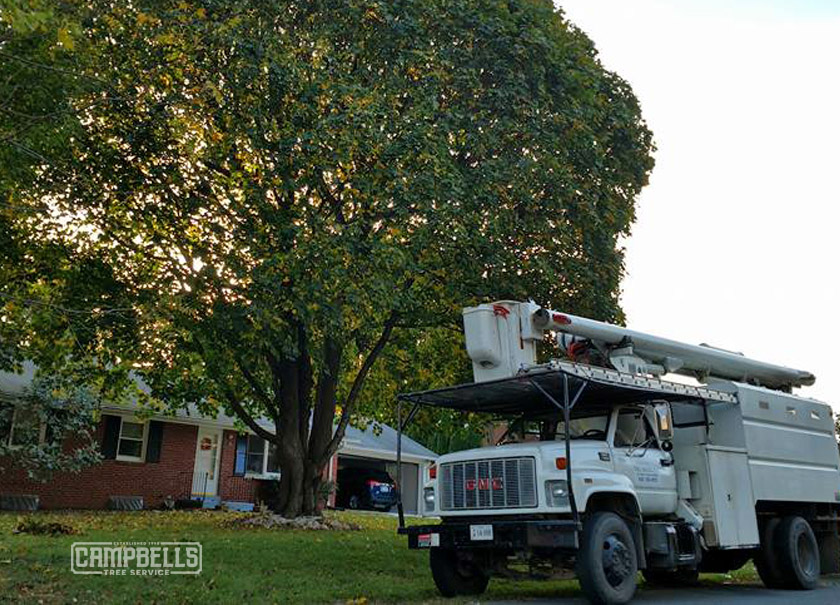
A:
{"x": 522, "y": 395}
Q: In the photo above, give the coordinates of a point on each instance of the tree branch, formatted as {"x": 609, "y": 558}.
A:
{"x": 255, "y": 385}
{"x": 245, "y": 416}
{"x": 356, "y": 388}
{"x": 237, "y": 406}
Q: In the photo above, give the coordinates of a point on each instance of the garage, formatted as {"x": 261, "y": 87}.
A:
{"x": 366, "y": 454}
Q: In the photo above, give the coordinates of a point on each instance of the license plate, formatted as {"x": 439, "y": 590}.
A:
{"x": 481, "y": 532}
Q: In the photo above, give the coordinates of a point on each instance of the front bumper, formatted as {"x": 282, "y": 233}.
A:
{"x": 515, "y": 535}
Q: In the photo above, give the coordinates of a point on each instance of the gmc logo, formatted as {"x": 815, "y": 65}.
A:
{"x": 485, "y": 484}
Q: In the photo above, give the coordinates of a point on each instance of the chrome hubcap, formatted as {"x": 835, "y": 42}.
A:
{"x": 805, "y": 554}
{"x": 617, "y": 560}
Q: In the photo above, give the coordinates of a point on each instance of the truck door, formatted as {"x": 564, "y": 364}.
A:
{"x": 637, "y": 455}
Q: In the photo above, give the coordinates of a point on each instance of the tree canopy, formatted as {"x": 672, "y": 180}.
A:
{"x": 253, "y": 200}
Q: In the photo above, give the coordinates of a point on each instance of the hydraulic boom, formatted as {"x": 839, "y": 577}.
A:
{"x": 501, "y": 341}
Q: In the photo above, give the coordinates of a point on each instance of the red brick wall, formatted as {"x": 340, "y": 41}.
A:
{"x": 172, "y": 476}
{"x": 91, "y": 487}
{"x": 237, "y": 489}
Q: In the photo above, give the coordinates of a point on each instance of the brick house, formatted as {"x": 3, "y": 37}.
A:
{"x": 186, "y": 456}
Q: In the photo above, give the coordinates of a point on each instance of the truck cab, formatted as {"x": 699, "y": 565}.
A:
{"x": 602, "y": 472}
{"x": 619, "y": 450}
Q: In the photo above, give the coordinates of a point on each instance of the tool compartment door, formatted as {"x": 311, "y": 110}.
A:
{"x": 735, "y": 520}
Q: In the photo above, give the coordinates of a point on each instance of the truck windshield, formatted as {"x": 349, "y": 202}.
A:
{"x": 587, "y": 427}
{"x": 590, "y": 427}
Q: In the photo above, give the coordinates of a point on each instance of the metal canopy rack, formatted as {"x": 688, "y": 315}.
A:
{"x": 545, "y": 390}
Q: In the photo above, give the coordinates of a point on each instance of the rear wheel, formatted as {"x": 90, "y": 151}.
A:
{"x": 454, "y": 575}
{"x": 767, "y": 559}
{"x": 799, "y": 555}
{"x": 606, "y": 563}
{"x": 674, "y": 578}
{"x": 353, "y": 502}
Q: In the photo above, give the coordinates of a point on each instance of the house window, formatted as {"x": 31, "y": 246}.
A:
{"x": 25, "y": 428}
{"x": 256, "y": 455}
{"x": 130, "y": 446}
{"x": 262, "y": 457}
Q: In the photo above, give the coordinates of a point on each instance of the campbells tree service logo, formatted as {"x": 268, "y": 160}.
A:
{"x": 135, "y": 558}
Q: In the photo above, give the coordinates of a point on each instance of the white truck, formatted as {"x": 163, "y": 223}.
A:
{"x": 609, "y": 468}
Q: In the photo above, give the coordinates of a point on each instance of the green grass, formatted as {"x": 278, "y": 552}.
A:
{"x": 240, "y": 565}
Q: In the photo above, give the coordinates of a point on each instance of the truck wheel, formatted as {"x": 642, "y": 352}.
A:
{"x": 454, "y": 576}
{"x": 354, "y": 502}
{"x": 799, "y": 555}
{"x": 671, "y": 579}
{"x": 606, "y": 562}
{"x": 767, "y": 559}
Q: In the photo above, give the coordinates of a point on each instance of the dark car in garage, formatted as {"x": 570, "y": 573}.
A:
{"x": 366, "y": 488}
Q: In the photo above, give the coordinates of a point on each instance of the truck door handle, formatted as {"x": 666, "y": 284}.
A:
{"x": 666, "y": 462}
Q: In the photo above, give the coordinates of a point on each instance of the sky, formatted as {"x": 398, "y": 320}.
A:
{"x": 737, "y": 239}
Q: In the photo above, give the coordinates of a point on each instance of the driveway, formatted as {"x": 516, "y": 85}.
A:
{"x": 724, "y": 594}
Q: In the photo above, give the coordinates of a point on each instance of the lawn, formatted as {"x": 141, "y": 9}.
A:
{"x": 240, "y": 565}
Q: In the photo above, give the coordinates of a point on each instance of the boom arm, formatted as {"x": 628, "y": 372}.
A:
{"x": 501, "y": 340}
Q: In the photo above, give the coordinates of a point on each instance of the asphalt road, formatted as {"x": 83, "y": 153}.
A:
{"x": 827, "y": 594}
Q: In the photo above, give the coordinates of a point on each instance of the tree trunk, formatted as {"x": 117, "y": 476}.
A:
{"x": 291, "y": 502}
{"x": 323, "y": 415}
{"x": 311, "y": 489}
{"x": 294, "y": 392}
{"x": 304, "y": 450}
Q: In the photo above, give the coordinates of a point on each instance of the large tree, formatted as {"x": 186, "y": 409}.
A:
{"x": 264, "y": 194}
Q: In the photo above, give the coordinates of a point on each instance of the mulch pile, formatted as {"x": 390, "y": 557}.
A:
{"x": 272, "y": 521}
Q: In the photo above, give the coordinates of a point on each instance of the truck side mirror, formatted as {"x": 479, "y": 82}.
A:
{"x": 664, "y": 424}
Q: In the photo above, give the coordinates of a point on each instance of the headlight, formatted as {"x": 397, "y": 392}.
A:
{"x": 557, "y": 493}
{"x": 429, "y": 498}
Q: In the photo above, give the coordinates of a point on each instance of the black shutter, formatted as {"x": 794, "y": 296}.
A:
{"x": 49, "y": 431}
{"x": 52, "y": 429}
{"x": 7, "y": 410}
{"x": 241, "y": 453}
{"x": 111, "y": 437}
{"x": 155, "y": 441}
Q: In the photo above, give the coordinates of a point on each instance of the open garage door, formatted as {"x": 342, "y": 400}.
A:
{"x": 410, "y": 478}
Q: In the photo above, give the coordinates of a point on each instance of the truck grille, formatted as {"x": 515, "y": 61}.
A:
{"x": 496, "y": 483}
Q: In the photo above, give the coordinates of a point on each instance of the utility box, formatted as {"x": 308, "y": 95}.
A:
{"x": 500, "y": 339}
{"x": 734, "y": 507}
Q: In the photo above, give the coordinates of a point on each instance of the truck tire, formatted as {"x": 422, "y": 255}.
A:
{"x": 454, "y": 577}
{"x": 606, "y": 562}
{"x": 799, "y": 555}
{"x": 671, "y": 578}
{"x": 767, "y": 559}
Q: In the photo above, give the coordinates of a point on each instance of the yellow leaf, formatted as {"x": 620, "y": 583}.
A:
{"x": 201, "y": 13}
{"x": 65, "y": 38}
{"x": 166, "y": 38}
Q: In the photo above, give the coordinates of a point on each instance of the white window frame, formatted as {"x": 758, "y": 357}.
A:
{"x": 9, "y": 439}
{"x": 143, "y": 440}
{"x": 263, "y": 474}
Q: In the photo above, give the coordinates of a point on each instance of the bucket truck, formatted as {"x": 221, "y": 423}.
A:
{"x": 610, "y": 465}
